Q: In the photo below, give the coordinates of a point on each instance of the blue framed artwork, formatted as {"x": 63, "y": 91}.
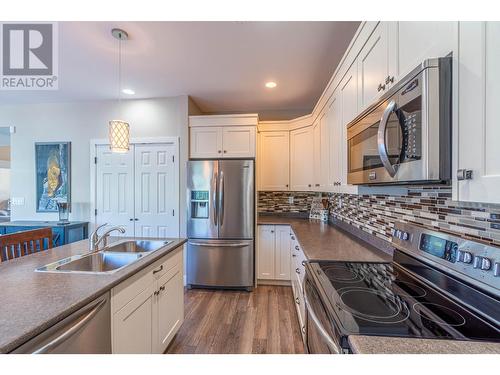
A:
{"x": 53, "y": 175}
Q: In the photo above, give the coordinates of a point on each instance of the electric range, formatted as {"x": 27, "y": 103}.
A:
{"x": 438, "y": 286}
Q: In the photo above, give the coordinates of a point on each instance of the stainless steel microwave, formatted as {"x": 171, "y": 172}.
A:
{"x": 405, "y": 137}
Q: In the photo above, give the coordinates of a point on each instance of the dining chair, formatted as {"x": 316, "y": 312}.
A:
{"x": 28, "y": 242}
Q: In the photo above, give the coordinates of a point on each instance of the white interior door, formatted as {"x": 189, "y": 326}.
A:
{"x": 156, "y": 190}
{"x": 115, "y": 188}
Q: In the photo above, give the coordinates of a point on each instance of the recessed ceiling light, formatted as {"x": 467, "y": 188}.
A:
{"x": 128, "y": 91}
{"x": 271, "y": 85}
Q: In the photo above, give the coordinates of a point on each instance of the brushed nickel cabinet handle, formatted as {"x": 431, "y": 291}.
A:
{"x": 158, "y": 270}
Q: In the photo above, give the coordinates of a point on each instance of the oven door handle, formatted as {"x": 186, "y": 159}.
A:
{"x": 382, "y": 146}
{"x": 334, "y": 348}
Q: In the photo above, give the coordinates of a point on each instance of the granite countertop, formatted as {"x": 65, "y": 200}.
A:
{"x": 323, "y": 241}
{"x": 31, "y": 302}
{"x": 397, "y": 345}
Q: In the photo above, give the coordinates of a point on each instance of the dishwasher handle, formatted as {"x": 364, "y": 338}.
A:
{"x": 73, "y": 329}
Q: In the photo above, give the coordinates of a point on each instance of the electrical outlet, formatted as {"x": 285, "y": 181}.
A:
{"x": 290, "y": 200}
{"x": 17, "y": 201}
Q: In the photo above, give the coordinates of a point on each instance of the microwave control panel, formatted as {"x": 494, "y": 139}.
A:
{"x": 412, "y": 136}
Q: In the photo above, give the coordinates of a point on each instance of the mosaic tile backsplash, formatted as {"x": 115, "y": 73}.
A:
{"x": 376, "y": 214}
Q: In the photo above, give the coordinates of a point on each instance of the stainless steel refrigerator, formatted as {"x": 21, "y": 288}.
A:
{"x": 221, "y": 204}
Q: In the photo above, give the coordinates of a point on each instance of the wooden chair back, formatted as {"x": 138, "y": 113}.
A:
{"x": 28, "y": 242}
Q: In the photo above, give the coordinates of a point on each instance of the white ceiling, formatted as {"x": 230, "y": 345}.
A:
{"x": 222, "y": 65}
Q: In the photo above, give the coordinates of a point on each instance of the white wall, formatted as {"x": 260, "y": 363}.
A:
{"x": 79, "y": 122}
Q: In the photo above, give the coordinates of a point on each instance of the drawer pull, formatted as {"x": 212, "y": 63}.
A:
{"x": 294, "y": 255}
{"x": 297, "y": 301}
{"x": 297, "y": 248}
{"x": 303, "y": 263}
{"x": 297, "y": 270}
{"x": 293, "y": 238}
{"x": 304, "y": 330}
{"x": 158, "y": 270}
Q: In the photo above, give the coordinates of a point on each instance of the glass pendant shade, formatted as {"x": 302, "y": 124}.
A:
{"x": 119, "y": 136}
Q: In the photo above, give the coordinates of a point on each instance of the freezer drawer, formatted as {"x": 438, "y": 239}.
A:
{"x": 220, "y": 263}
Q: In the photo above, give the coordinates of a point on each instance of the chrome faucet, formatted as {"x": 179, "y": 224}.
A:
{"x": 95, "y": 240}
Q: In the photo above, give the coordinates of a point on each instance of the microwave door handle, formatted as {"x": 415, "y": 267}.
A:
{"x": 382, "y": 147}
{"x": 311, "y": 314}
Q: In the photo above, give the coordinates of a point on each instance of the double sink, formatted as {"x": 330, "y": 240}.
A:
{"x": 108, "y": 260}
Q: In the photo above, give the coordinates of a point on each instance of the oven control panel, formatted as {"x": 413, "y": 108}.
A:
{"x": 474, "y": 260}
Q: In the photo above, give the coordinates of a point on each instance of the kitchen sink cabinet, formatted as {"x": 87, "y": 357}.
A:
{"x": 148, "y": 308}
{"x": 273, "y": 246}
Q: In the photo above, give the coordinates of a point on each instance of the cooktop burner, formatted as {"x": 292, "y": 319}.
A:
{"x": 385, "y": 299}
{"x": 373, "y": 305}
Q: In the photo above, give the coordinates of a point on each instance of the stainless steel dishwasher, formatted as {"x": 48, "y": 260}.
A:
{"x": 86, "y": 331}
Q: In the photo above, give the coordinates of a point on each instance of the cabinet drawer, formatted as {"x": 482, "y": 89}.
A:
{"x": 124, "y": 292}
{"x": 299, "y": 303}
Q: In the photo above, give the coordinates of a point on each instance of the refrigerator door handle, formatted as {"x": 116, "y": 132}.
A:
{"x": 221, "y": 199}
{"x": 238, "y": 244}
{"x": 215, "y": 189}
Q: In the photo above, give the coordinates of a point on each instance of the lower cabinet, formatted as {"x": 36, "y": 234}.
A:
{"x": 297, "y": 281}
{"x": 273, "y": 246}
{"x": 148, "y": 308}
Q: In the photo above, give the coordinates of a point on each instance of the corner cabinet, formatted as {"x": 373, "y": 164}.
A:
{"x": 148, "y": 308}
{"x": 273, "y": 161}
{"x": 301, "y": 159}
{"x": 224, "y": 136}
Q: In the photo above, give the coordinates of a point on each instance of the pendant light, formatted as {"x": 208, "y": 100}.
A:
{"x": 119, "y": 130}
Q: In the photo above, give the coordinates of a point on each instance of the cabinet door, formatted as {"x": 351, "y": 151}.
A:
{"x": 325, "y": 151}
{"x": 274, "y": 161}
{"x": 265, "y": 247}
{"x": 348, "y": 95}
{"x": 479, "y": 95}
{"x": 168, "y": 313}
{"x": 418, "y": 41}
{"x": 316, "y": 155}
{"x": 373, "y": 67}
{"x": 205, "y": 142}
{"x": 334, "y": 119}
{"x": 301, "y": 159}
{"x": 132, "y": 328}
{"x": 282, "y": 254}
{"x": 238, "y": 142}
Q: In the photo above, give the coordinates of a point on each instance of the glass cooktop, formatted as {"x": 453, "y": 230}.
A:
{"x": 384, "y": 299}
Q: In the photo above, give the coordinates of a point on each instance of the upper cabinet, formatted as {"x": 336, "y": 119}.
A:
{"x": 478, "y": 128}
{"x": 273, "y": 161}
{"x": 417, "y": 41}
{"x": 222, "y": 136}
{"x": 301, "y": 159}
{"x": 374, "y": 63}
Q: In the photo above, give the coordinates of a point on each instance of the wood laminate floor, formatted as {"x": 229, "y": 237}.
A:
{"x": 225, "y": 322}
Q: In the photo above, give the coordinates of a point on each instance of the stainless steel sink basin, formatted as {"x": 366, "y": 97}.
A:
{"x": 109, "y": 260}
{"x": 98, "y": 262}
{"x": 141, "y": 246}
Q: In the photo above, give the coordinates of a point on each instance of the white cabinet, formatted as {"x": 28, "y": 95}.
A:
{"x": 222, "y": 142}
{"x": 132, "y": 325}
{"x": 334, "y": 118}
{"x": 168, "y": 311}
{"x": 274, "y": 258}
{"x": 301, "y": 159}
{"x": 148, "y": 308}
{"x": 348, "y": 95}
{"x": 418, "y": 41}
{"x": 479, "y": 95}
{"x": 273, "y": 161}
{"x": 205, "y": 142}
{"x": 238, "y": 141}
{"x": 222, "y": 136}
{"x": 373, "y": 66}
{"x": 265, "y": 248}
{"x": 316, "y": 154}
{"x": 321, "y": 153}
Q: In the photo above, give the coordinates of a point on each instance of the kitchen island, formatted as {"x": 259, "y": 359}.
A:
{"x": 31, "y": 302}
